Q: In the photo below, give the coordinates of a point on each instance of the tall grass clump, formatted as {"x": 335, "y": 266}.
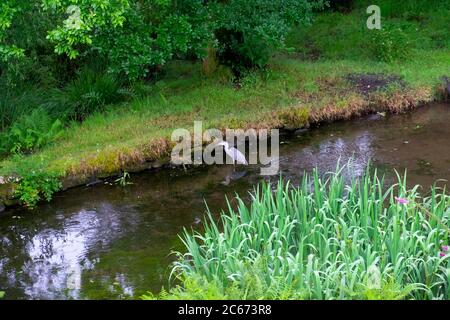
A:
{"x": 325, "y": 239}
{"x": 89, "y": 93}
{"x": 14, "y": 105}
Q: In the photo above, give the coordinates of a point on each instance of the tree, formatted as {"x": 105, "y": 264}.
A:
{"x": 8, "y": 9}
{"x": 133, "y": 36}
{"x": 248, "y": 32}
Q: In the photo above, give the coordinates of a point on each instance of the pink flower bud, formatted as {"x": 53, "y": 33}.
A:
{"x": 401, "y": 200}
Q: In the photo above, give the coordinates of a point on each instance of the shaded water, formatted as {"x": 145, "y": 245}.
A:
{"x": 106, "y": 242}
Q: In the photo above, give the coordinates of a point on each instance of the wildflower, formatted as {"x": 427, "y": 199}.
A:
{"x": 401, "y": 200}
{"x": 444, "y": 248}
{"x": 441, "y": 254}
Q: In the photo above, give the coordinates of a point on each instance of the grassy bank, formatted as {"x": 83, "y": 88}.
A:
{"x": 325, "y": 239}
{"x": 307, "y": 85}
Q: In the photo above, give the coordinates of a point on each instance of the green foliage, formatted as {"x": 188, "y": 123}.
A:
{"x": 336, "y": 36}
{"x": 90, "y": 92}
{"x": 326, "y": 239}
{"x": 390, "y": 44}
{"x": 84, "y": 20}
{"x": 13, "y": 106}
{"x": 409, "y": 9}
{"x": 249, "y": 32}
{"x": 123, "y": 181}
{"x": 388, "y": 291}
{"x": 197, "y": 288}
{"x": 8, "y": 51}
{"x": 151, "y": 39}
{"x": 30, "y": 132}
{"x": 134, "y": 36}
{"x": 36, "y": 185}
{"x": 27, "y": 31}
{"x": 2, "y": 294}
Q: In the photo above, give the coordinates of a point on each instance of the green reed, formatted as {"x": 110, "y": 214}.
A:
{"x": 323, "y": 239}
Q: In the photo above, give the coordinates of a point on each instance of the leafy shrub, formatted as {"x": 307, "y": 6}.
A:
{"x": 30, "y": 132}
{"x": 90, "y": 92}
{"x": 135, "y": 36}
{"x": 25, "y": 28}
{"x": 325, "y": 239}
{"x": 248, "y": 33}
{"x": 35, "y": 185}
{"x": 390, "y": 44}
{"x": 240, "y": 54}
{"x": 132, "y": 35}
{"x": 149, "y": 40}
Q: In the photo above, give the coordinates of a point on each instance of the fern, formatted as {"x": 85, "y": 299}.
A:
{"x": 30, "y": 133}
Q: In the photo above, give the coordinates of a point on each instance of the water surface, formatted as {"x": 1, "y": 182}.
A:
{"x": 106, "y": 242}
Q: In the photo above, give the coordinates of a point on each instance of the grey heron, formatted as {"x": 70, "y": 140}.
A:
{"x": 234, "y": 153}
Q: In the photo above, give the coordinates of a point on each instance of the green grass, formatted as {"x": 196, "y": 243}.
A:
{"x": 328, "y": 238}
{"x": 185, "y": 95}
{"x": 337, "y": 36}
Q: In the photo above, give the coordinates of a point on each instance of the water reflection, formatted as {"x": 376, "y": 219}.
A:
{"x": 104, "y": 242}
{"x": 326, "y": 155}
{"x": 57, "y": 252}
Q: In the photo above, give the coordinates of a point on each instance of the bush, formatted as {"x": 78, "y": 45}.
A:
{"x": 134, "y": 37}
{"x": 35, "y": 185}
{"x": 390, "y": 44}
{"x": 90, "y": 92}
{"x": 248, "y": 34}
{"x": 30, "y": 132}
{"x": 152, "y": 35}
{"x": 325, "y": 239}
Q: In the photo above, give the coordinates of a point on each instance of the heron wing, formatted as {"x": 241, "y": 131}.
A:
{"x": 238, "y": 156}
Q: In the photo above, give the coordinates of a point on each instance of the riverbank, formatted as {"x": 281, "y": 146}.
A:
{"x": 330, "y": 75}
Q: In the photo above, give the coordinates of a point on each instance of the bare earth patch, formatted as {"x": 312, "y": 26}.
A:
{"x": 367, "y": 83}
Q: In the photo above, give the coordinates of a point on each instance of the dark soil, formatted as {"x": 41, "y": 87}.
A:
{"x": 371, "y": 82}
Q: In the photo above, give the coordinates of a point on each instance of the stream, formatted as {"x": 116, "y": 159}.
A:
{"x": 108, "y": 242}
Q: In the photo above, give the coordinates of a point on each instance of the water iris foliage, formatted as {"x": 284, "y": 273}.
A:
{"x": 328, "y": 238}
